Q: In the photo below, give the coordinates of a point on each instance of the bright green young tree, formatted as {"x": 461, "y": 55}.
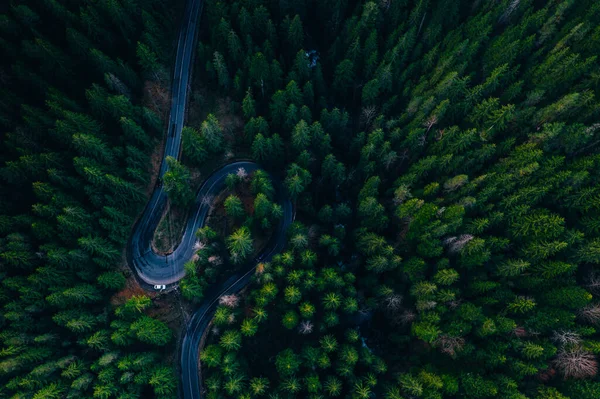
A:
{"x": 240, "y": 245}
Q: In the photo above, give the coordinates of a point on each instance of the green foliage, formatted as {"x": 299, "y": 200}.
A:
{"x": 240, "y": 245}
{"x": 443, "y": 156}
{"x": 474, "y": 386}
{"x": 151, "y": 331}
{"x": 231, "y": 340}
{"x": 194, "y": 145}
{"x": 297, "y": 180}
{"x": 287, "y": 362}
{"x": 177, "y": 183}
{"x": 233, "y": 207}
{"x": 213, "y": 134}
{"x": 290, "y": 320}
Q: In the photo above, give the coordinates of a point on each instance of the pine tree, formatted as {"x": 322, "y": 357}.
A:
{"x": 194, "y": 145}
{"x": 295, "y": 34}
{"x": 147, "y": 59}
{"x": 240, "y": 245}
{"x": 249, "y": 105}
{"x": 261, "y": 149}
{"x": 213, "y": 134}
{"x": 259, "y": 72}
{"x": 287, "y": 363}
{"x": 221, "y": 69}
{"x": 177, "y": 183}
{"x": 151, "y": 331}
{"x": 233, "y": 207}
{"x": 343, "y": 78}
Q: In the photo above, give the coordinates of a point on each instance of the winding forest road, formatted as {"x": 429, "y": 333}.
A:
{"x": 152, "y": 268}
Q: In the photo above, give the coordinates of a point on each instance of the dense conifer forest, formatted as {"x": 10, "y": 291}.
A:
{"x": 442, "y": 157}
{"x": 75, "y": 156}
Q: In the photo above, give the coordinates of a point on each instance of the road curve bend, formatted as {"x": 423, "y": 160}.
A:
{"x": 152, "y": 268}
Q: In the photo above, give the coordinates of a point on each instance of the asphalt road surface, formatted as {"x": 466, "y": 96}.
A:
{"x": 152, "y": 268}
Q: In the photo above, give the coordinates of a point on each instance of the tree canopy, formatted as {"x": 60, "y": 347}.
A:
{"x": 442, "y": 158}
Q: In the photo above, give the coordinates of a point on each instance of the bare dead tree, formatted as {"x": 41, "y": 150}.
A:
{"x": 389, "y": 158}
{"x": 407, "y": 317}
{"x": 593, "y": 283}
{"x": 520, "y": 332}
{"x": 449, "y": 345}
{"x": 231, "y": 301}
{"x": 430, "y": 122}
{"x": 509, "y": 10}
{"x": 207, "y": 200}
{"x": 455, "y": 303}
{"x": 576, "y": 363}
{"x": 440, "y": 134}
{"x": 590, "y": 313}
{"x": 591, "y": 130}
{"x": 241, "y": 173}
{"x": 215, "y": 260}
{"x": 455, "y": 244}
{"x": 306, "y": 327}
{"x": 368, "y": 114}
{"x": 426, "y": 305}
{"x": 564, "y": 338}
{"x": 393, "y": 302}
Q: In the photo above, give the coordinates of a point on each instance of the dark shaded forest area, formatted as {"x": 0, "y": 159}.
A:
{"x": 77, "y": 137}
{"x": 442, "y": 157}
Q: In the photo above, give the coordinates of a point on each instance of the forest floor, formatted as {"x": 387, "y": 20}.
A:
{"x": 169, "y": 230}
{"x": 155, "y": 162}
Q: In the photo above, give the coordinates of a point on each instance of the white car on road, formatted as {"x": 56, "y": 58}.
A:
{"x": 160, "y": 287}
